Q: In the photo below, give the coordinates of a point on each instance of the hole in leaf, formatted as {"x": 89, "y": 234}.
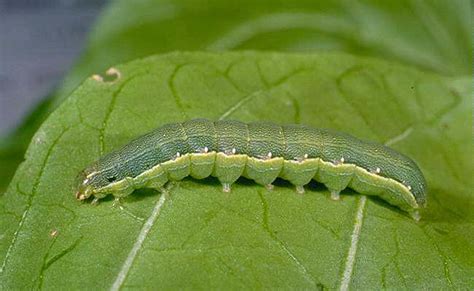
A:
{"x": 111, "y": 75}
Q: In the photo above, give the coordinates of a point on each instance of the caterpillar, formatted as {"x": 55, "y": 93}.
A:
{"x": 261, "y": 151}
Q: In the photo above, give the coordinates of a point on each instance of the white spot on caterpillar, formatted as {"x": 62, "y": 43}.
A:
{"x": 376, "y": 171}
{"x": 409, "y": 187}
{"x": 269, "y": 155}
{"x": 230, "y": 152}
{"x": 342, "y": 160}
{"x": 301, "y": 159}
{"x": 85, "y": 181}
{"x": 178, "y": 154}
{"x": 91, "y": 174}
{"x": 203, "y": 150}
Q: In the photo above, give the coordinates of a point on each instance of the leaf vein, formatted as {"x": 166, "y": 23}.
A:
{"x": 122, "y": 275}
{"x": 110, "y": 108}
{"x": 30, "y": 198}
{"x": 247, "y": 98}
{"x": 281, "y": 244}
{"x": 174, "y": 90}
{"x": 355, "y": 237}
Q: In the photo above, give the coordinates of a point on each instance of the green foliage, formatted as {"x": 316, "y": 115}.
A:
{"x": 195, "y": 236}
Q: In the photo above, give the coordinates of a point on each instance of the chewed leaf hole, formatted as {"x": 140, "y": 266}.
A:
{"x": 111, "y": 75}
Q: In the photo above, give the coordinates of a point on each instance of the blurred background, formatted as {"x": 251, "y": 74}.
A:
{"x": 39, "y": 41}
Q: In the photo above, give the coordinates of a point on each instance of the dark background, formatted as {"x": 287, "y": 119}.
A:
{"x": 39, "y": 41}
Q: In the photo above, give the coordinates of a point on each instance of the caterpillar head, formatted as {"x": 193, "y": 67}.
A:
{"x": 89, "y": 182}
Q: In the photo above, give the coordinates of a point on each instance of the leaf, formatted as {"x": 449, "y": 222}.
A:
{"x": 13, "y": 146}
{"x": 195, "y": 236}
{"x": 432, "y": 35}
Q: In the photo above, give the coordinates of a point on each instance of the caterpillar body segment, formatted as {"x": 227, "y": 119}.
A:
{"x": 260, "y": 151}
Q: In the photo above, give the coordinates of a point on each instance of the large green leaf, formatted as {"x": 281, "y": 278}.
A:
{"x": 196, "y": 236}
{"x": 433, "y": 35}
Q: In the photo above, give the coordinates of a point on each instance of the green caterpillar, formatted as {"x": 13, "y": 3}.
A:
{"x": 260, "y": 151}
